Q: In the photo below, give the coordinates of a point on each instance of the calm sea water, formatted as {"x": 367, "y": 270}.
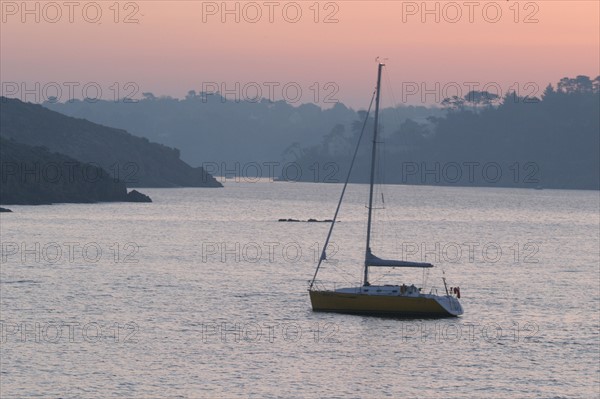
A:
{"x": 203, "y": 293}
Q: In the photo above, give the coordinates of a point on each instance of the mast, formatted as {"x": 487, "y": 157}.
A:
{"x": 337, "y": 210}
{"x": 372, "y": 181}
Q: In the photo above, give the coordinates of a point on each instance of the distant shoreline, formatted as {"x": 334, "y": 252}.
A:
{"x": 537, "y": 188}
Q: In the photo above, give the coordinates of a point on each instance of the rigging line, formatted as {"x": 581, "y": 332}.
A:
{"x": 395, "y": 112}
{"x": 323, "y": 254}
{"x": 395, "y": 118}
{"x": 379, "y": 227}
{"x": 384, "y": 275}
{"x": 425, "y": 278}
{"x": 347, "y": 273}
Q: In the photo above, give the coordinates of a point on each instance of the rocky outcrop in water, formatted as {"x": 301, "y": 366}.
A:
{"x": 136, "y": 196}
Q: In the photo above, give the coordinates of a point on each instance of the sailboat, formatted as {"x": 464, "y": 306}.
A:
{"x": 381, "y": 300}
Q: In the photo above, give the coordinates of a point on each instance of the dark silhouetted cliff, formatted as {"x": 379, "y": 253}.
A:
{"x": 33, "y": 176}
{"x": 134, "y": 160}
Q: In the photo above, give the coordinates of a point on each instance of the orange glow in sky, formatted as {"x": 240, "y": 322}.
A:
{"x": 170, "y": 47}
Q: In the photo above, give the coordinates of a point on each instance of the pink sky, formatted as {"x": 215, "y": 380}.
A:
{"x": 180, "y": 45}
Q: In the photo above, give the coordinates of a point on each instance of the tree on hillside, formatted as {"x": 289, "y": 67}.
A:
{"x": 481, "y": 98}
{"x": 453, "y": 103}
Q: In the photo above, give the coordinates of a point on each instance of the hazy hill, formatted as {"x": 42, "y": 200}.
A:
{"x": 483, "y": 140}
{"x": 209, "y": 128}
{"x": 33, "y": 175}
{"x": 134, "y": 160}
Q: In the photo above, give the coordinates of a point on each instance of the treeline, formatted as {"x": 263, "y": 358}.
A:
{"x": 210, "y": 128}
{"x": 483, "y": 140}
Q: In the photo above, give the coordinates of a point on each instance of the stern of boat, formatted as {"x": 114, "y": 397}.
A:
{"x": 450, "y": 304}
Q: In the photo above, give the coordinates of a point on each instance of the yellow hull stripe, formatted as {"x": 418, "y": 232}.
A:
{"x": 330, "y": 301}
